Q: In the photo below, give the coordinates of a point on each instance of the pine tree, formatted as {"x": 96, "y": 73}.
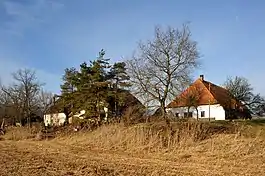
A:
{"x": 120, "y": 81}
{"x": 92, "y": 85}
{"x": 69, "y": 79}
{"x": 100, "y": 83}
{"x": 85, "y": 91}
{"x": 95, "y": 86}
{"x": 67, "y": 89}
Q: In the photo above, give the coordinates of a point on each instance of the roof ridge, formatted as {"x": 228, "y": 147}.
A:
{"x": 212, "y": 83}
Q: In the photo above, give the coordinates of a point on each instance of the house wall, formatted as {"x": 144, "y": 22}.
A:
{"x": 216, "y": 111}
{"x": 58, "y": 119}
{"x": 54, "y": 119}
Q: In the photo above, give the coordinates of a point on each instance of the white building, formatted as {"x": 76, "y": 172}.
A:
{"x": 215, "y": 112}
{"x": 58, "y": 119}
{"x": 55, "y": 119}
{"x": 209, "y": 100}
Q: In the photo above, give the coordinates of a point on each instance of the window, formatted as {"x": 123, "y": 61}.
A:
{"x": 185, "y": 114}
{"x": 177, "y": 114}
{"x": 202, "y": 113}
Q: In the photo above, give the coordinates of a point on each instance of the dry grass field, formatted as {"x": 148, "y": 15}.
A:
{"x": 145, "y": 149}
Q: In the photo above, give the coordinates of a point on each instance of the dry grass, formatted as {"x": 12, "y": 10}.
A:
{"x": 188, "y": 148}
{"x": 19, "y": 133}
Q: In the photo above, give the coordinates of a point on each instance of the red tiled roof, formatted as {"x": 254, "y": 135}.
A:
{"x": 209, "y": 94}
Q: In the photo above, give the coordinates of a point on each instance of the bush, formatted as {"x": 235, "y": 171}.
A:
{"x": 133, "y": 115}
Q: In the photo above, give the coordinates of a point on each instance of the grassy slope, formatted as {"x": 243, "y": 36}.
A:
{"x": 118, "y": 150}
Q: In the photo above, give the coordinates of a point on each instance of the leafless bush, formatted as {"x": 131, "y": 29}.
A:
{"x": 133, "y": 115}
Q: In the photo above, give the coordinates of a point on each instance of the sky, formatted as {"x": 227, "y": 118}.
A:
{"x": 50, "y": 35}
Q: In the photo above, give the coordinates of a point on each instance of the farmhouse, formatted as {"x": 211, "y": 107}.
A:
{"x": 56, "y": 114}
{"x": 205, "y": 100}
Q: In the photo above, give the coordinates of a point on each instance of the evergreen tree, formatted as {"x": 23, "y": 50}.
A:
{"x": 100, "y": 83}
{"x": 94, "y": 86}
{"x": 67, "y": 89}
{"x": 69, "y": 80}
{"x": 120, "y": 81}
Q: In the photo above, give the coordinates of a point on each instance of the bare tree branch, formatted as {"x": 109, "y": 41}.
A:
{"x": 162, "y": 67}
{"x": 23, "y": 94}
{"x": 241, "y": 89}
{"x": 192, "y": 97}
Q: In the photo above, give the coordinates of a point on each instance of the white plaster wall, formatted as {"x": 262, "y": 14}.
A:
{"x": 80, "y": 114}
{"x": 59, "y": 118}
{"x": 54, "y": 119}
{"x": 216, "y": 111}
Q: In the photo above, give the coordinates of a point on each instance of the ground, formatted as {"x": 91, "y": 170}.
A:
{"x": 86, "y": 154}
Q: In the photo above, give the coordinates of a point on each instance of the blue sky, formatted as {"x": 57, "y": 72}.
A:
{"x": 51, "y": 35}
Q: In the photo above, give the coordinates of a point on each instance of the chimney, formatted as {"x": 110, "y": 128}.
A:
{"x": 202, "y": 77}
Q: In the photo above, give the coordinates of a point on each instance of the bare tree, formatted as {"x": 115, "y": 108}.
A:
{"x": 241, "y": 89}
{"x": 23, "y": 93}
{"x": 192, "y": 98}
{"x": 162, "y": 66}
{"x": 11, "y": 101}
{"x": 45, "y": 100}
{"x": 3, "y": 102}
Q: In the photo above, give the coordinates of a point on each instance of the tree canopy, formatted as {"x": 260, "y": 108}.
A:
{"x": 24, "y": 99}
{"x": 94, "y": 86}
{"x": 242, "y": 90}
{"x": 162, "y": 67}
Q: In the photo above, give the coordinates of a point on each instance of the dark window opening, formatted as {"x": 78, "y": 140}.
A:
{"x": 202, "y": 113}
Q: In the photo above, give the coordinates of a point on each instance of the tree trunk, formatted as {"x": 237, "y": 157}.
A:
{"x": 66, "y": 119}
{"x": 3, "y": 124}
{"x": 115, "y": 102}
{"x": 66, "y": 116}
{"x": 115, "y": 107}
{"x": 163, "y": 109}
{"x": 29, "y": 121}
{"x": 98, "y": 110}
{"x": 197, "y": 113}
{"x": 188, "y": 112}
{"x": 164, "y": 113}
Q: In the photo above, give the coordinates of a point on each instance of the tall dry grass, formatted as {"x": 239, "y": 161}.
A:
{"x": 202, "y": 147}
{"x": 19, "y": 133}
{"x": 161, "y": 138}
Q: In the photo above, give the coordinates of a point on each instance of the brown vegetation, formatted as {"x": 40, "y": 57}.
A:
{"x": 187, "y": 148}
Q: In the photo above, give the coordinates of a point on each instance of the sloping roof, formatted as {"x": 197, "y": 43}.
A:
{"x": 209, "y": 94}
{"x": 222, "y": 95}
{"x": 131, "y": 100}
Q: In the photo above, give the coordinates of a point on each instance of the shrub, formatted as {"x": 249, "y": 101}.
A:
{"x": 133, "y": 115}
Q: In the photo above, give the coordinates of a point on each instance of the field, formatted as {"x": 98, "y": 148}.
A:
{"x": 145, "y": 149}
